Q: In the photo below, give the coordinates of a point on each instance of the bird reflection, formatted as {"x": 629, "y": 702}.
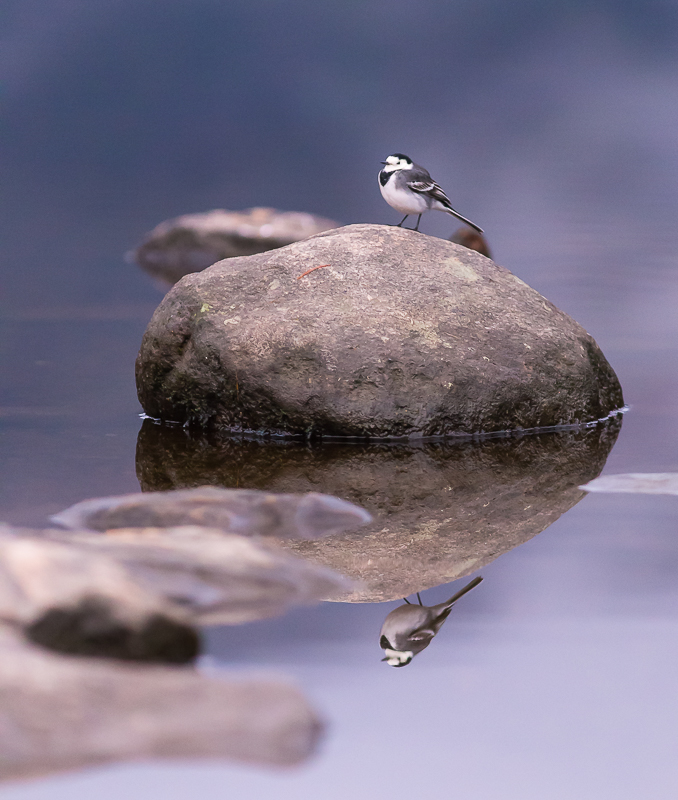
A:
{"x": 408, "y": 629}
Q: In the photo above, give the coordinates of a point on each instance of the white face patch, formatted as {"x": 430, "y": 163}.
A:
{"x": 395, "y": 658}
{"x": 392, "y": 164}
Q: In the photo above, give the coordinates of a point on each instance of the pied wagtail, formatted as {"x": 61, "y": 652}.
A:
{"x": 408, "y": 629}
{"x": 409, "y": 188}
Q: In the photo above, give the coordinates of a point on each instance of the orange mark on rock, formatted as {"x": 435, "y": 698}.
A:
{"x": 313, "y": 269}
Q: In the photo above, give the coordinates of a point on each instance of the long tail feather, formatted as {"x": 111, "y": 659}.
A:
{"x": 462, "y": 592}
{"x": 463, "y": 219}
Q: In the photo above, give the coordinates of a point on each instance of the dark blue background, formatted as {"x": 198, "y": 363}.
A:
{"x": 116, "y": 115}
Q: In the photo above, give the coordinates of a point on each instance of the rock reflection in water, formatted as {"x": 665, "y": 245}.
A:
{"x": 441, "y": 510}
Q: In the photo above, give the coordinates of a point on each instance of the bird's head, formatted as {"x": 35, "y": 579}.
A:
{"x": 397, "y": 658}
{"x": 397, "y": 161}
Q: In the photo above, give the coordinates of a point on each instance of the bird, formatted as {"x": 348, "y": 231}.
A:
{"x": 409, "y": 188}
{"x": 408, "y": 629}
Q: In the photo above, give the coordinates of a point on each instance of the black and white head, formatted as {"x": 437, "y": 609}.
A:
{"x": 397, "y": 658}
{"x": 396, "y": 162}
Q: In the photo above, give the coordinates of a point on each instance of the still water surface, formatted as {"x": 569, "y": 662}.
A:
{"x": 555, "y": 678}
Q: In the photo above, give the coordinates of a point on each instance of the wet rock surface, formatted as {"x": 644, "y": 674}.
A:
{"x": 60, "y": 713}
{"x": 398, "y": 334}
{"x": 441, "y": 510}
{"x": 192, "y": 242}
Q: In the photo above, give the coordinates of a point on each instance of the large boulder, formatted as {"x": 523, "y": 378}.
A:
{"x": 368, "y": 331}
{"x": 190, "y": 243}
{"x": 441, "y": 510}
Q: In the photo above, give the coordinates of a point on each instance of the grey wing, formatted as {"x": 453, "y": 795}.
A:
{"x": 422, "y": 635}
{"x": 419, "y": 174}
{"x": 427, "y": 186}
{"x": 431, "y": 188}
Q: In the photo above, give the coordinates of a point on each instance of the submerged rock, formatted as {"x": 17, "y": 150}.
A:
{"x": 192, "y": 242}
{"x": 441, "y": 511}
{"x": 368, "y": 331}
{"x": 62, "y": 713}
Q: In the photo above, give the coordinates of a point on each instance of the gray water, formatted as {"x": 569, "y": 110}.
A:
{"x": 555, "y": 129}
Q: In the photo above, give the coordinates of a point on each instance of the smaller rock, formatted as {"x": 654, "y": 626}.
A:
{"x": 94, "y": 627}
{"x": 243, "y": 511}
{"x": 636, "y": 483}
{"x": 212, "y": 577}
{"x": 471, "y": 239}
{"x": 86, "y": 603}
{"x": 61, "y": 713}
{"x": 193, "y": 242}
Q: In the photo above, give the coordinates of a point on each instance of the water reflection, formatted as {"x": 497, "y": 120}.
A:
{"x": 409, "y": 629}
{"x": 442, "y": 511}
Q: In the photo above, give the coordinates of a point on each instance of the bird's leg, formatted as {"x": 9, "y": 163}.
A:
{"x": 416, "y": 227}
{"x": 402, "y": 220}
{"x": 407, "y": 601}
{"x": 419, "y": 599}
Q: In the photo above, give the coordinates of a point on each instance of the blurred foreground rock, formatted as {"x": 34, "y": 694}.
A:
{"x": 209, "y": 576}
{"x": 244, "y": 511}
{"x": 59, "y": 713}
{"x": 192, "y": 242}
{"x": 399, "y": 334}
{"x": 441, "y": 511}
{"x": 75, "y": 601}
{"x": 139, "y": 593}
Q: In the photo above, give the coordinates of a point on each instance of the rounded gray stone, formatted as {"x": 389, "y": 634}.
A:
{"x": 192, "y": 242}
{"x": 389, "y": 333}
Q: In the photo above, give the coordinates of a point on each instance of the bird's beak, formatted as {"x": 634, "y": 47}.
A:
{"x": 383, "y": 162}
{"x": 385, "y": 659}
